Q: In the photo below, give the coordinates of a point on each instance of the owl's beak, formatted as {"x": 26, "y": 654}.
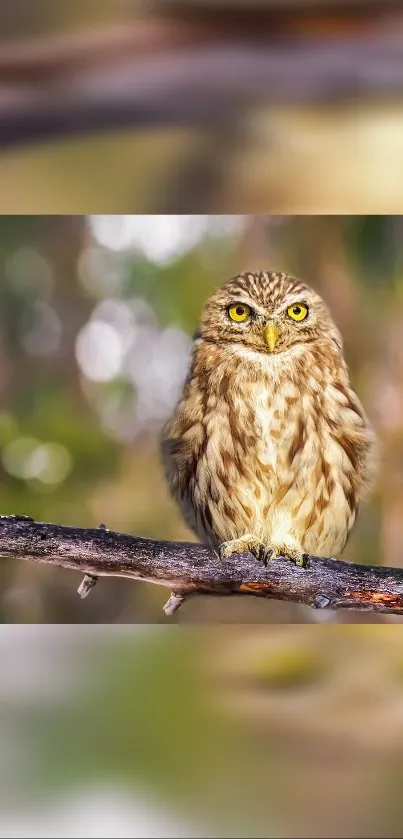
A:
{"x": 270, "y": 335}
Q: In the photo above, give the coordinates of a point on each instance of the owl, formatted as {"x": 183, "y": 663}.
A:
{"x": 269, "y": 449}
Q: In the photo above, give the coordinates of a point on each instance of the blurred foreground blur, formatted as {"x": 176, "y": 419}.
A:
{"x": 201, "y": 106}
{"x": 229, "y": 732}
{"x": 96, "y": 319}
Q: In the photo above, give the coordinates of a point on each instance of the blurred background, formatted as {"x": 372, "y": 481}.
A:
{"x": 96, "y": 319}
{"x": 201, "y": 106}
{"x": 278, "y": 729}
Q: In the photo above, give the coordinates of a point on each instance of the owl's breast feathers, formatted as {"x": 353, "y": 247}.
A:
{"x": 276, "y": 447}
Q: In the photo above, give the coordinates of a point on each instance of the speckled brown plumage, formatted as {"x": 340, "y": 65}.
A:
{"x": 269, "y": 448}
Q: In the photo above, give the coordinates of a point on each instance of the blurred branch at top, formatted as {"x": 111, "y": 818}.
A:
{"x": 30, "y": 59}
{"x": 249, "y": 89}
{"x": 190, "y": 69}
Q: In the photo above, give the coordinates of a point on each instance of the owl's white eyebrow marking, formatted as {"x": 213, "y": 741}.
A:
{"x": 292, "y": 301}
{"x": 247, "y": 301}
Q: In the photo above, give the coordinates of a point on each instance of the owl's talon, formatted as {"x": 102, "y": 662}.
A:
{"x": 250, "y": 544}
{"x": 293, "y": 554}
{"x": 262, "y": 554}
{"x": 246, "y": 544}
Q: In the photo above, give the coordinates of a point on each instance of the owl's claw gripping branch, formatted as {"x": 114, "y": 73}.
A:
{"x": 189, "y": 568}
{"x": 285, "y": 552}
{"x": 246, "y": 544}
{"x": 249, "y": 544}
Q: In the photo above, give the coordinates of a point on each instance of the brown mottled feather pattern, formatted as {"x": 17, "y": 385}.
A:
{"x": 274, "y": 444}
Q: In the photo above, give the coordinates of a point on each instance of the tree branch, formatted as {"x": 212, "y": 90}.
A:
{"x": 198, "y": 84}
{"x": 53, "y": 57}
{"x": 187, "y": 568}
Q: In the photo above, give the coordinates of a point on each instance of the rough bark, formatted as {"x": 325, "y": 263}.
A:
{"x": 189, "y": 568}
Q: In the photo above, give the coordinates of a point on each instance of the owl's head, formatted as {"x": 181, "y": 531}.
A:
{"x": 267, "y": 313}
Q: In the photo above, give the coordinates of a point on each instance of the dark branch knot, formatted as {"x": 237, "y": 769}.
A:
{"x": 321, "y": 601}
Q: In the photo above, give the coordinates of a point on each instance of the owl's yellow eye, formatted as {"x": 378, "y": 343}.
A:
{"x": 239, "y": 313}
{"x": 298, "y": 311}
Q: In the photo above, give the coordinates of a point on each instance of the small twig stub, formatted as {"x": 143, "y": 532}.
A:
{"x": 87, "y": 584}
{"x": 173, "y": 603}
